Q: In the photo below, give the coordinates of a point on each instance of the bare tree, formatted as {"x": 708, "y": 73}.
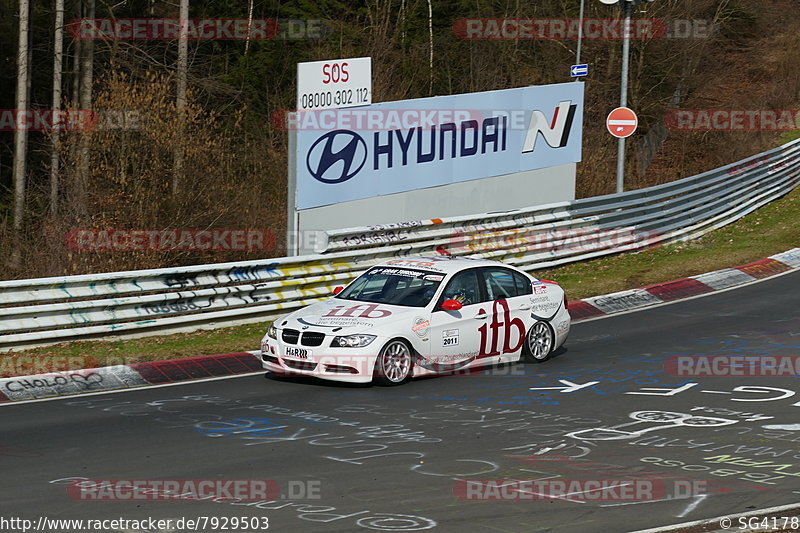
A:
{"x": 180, "y": 103}
{"x": 58, "y": 57}
{"x": 21, "y": 134}
{"x": 249, "y": 25}
{"x": 76, "y": 63}
{"x": 430, "y": 39}
{"x": 87, "y": 73}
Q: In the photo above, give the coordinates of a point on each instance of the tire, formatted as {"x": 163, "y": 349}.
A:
{"x": 539, "y": 342}
{"x": 395, "y": 364}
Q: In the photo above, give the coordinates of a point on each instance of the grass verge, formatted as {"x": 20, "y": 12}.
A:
{"x": 770, "y": 230}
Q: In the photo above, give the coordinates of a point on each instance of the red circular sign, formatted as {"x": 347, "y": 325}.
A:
{"x": 622, "y": 122}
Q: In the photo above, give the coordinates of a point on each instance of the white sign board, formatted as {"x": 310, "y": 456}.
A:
{"x": 391, "y": 147}
{"x": 334, "y": 84}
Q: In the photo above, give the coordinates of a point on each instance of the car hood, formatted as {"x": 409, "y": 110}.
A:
{"x": 346, "y": 317}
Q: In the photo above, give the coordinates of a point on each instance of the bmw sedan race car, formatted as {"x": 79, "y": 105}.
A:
{"x": 420, "y": 316}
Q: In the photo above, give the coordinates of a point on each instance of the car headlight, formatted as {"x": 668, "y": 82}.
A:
{"x": 272, "y": 332}
{"x": 353, "y": 341}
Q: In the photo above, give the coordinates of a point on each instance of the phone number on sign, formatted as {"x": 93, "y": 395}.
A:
{"x": 334, "y": 98}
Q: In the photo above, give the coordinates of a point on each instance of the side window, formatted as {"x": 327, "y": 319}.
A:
{"x": 464, "y": 288}
{"x": 499, "y": 283}
{"x": 523, "y": 284}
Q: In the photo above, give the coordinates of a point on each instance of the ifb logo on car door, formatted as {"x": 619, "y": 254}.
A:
{"x": 504, "y": 334}
{"x": 335, "y": 147}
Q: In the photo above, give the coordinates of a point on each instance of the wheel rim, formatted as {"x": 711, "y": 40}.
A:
{"x": 396, "y": 361}
{"x": 540, "y": 340}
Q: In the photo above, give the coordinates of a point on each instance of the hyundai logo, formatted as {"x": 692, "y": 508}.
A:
{"x": 332, "y": 148}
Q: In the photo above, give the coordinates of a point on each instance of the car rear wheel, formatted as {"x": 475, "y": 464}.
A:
{"x": 395, "y": 364}
{"x": 539, "y": 342}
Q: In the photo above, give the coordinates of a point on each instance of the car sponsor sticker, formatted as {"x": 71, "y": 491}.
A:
{"x": 450, "y": 337}
{"x": 446, "y": 363}
{"x": 434, "y": 277}
{"x": 540, "y": 289}
{"x": 430, "y": 265}
{"x": 421, "y": 326}
{"x": 395, "y": 272}
{"x": 543, "y": 304}
{"x": 359, "y": 311}
{"x": 336, "y": 322}
{"x": 299, "y": 353}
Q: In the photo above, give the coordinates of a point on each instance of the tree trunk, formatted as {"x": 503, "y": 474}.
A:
{"x": 249, "y": 25}
{"x": 20, "y": 134}
{"x": 180, "y": 103}
{"x": 430, "y": 38}
{"x": 58, "y": 57}
{"x": 87, "y": 73}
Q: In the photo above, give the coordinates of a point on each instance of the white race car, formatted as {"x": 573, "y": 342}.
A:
{"x": 418, "y": 316}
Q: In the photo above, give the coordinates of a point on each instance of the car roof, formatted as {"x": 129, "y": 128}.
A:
{"x": 442, "y": 264}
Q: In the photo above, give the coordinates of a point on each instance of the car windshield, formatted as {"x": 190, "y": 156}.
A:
{"x": 394, "y": 286}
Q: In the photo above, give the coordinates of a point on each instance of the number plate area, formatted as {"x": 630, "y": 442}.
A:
{"x": 299, "y": 353}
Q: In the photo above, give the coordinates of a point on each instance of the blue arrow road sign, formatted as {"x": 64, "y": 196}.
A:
{"x": 579, "y": 70}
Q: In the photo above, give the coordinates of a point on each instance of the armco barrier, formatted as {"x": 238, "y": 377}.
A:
{"x": 49, "y": 310}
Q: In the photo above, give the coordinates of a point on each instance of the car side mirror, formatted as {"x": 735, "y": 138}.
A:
{"x": 451, "y": 305}
{"x": 337, "y": 290}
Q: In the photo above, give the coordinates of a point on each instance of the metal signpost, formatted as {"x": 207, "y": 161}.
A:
{"x": 627, "y": 8}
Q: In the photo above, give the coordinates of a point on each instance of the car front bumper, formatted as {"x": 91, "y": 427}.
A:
{"x": 352, "y": 365}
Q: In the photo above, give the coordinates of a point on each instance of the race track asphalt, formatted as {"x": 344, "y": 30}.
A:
{"x": 672, "y": 448}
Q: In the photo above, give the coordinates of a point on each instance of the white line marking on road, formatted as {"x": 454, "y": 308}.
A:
{"x": 697, "y": 500}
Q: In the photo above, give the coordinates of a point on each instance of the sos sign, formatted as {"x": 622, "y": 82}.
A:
{"x": 334, "y": 84}
{"x": 335, "y": 72}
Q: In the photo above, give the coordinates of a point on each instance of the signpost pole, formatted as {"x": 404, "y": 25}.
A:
{"x": 292, "y": 230}
{"x": 623, "y": 97}
{"x": 580, "y": 35}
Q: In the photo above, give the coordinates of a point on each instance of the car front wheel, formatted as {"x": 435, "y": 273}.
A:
{"x": 539, "y": 342}
{"x": 395, "y": 364}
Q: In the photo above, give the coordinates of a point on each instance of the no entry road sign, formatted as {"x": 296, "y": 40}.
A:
{"x": 622, "y": 122}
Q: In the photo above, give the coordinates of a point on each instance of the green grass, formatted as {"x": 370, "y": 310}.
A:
{"x": 770, "y": 230}
{"x": 789, "y": 136}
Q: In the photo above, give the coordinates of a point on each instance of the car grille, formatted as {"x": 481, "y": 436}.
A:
{"x": 299, "y": 365}
{"x": 312, "y": 338}
{"x": 290, "y": 336}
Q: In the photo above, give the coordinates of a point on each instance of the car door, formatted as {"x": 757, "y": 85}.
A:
{"x": 508, "y": 294}
{"x": 455, "y": 336}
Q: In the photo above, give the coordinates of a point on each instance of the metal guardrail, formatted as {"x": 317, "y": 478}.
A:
{"x": 50, "y": 310}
